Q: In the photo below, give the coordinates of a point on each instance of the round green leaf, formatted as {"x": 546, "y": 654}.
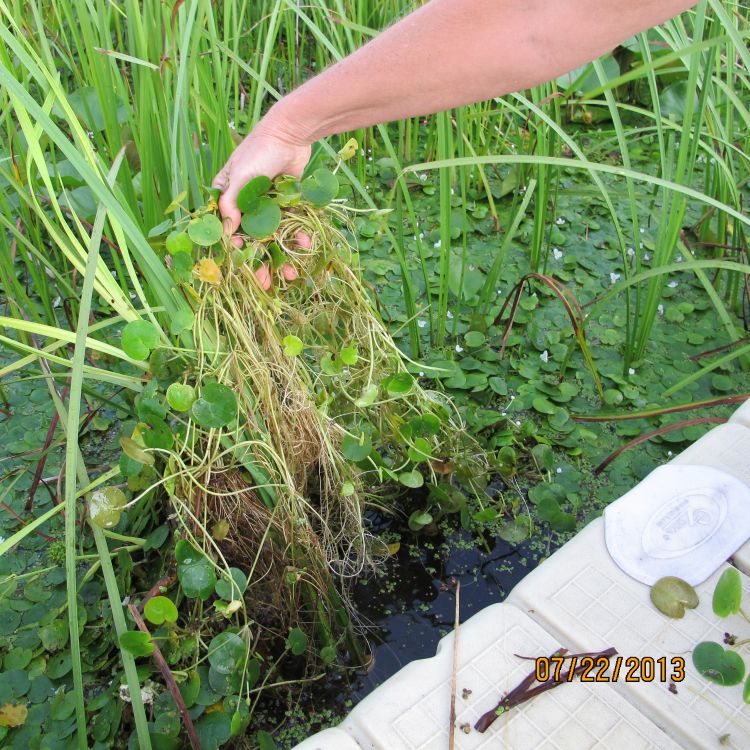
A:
{"x": 542, "y": 405}
{"x": 55, "y": 635}
{"x": 160, "y": 609}
{"x": 105, "y": 506}
{"x": 398, "y": 384}
{"x": 137, "y": 643}
{"x": 411, "y": 479}
{"x": 296, "y": 642}
{"x": 320, "y": 188}
{"x": 231, "y": 590}
{"x": 216, "y": 406}
{"x": 197, "y": 577}
{"x": 419, "y": 519}
{"x": 157, "y": 434}
{"x": 367, "y": 397}
{"x": 347, "y": 489}
{"x": 134, "y": 451}
{"x": 356, "y": 449}
{"x": 728, "y": 593}
{"x": 138, "y": 338}
{"x": 473, "y": 339}
{"x": 252, "y": 191}
{"x": 293, "y": 346}
{"x": 348, "y": 355}
{"x": 420, "y": 451}
{"x": 226, "y": 651}
{"x": 205, "y": 230}
{"x": 719, "y": 665}
{"x": 180, "y": 396}
{"x": 178, "y": 242}
{"x": 671, "y": 595}
{"x": 262, "y": 218}
{"x": 213, "y": 730}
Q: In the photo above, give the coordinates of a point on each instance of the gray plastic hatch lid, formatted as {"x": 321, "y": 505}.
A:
{"x": 681, "y": 520}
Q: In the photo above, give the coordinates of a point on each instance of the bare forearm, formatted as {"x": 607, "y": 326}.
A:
{"x": 453, "y": 52}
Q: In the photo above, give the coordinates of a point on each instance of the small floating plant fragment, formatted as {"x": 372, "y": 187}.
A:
{"x": 671, "y": 596}
{"x": 106, "y": 506}
{"x": 717, "y": 664}
{"x": 727, "y": 597}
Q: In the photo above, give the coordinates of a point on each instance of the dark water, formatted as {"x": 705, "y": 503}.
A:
{"x": 412, "y": 605}
{"x": 405, "y": 610}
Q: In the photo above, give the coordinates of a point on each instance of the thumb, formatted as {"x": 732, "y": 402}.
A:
{"x": 228, "y": 208}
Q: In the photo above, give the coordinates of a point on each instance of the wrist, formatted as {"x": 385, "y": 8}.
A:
{"x": 284, "y": 123}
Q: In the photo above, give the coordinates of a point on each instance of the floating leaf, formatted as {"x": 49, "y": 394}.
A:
{"x": 137, "y": 643}
{"x": 671, "y": 595}
{"x": 216, "y": 406}
{"x": 226, "y": 651}
{"x": 320, "y": 188}
{"x": 420, "y": 451}
{"x": 356, "y": 448}
{"x": 293, "y": 346}
{"x": 411, "y": 479}
{"x": 348, "y": 150}
{"x": 180, "y": 396}
{"x": 719, "y": 665}
{"x": 157, "y": 435}
{"x": 54, "y": 636}
{"x": 160, "y": 609}
{"x": 252, "y": 191}
{"x": 542, "y": 405}
{"x": 262, "y": 218}
{"x": 138, "y": 338}
{"x": 213, "y": 729}
{"x": 474, "y": 339}
{"x": 296, "y": 642}
{"x": 13, "y": 715}
{"x": 515, "y": 531}
{"x": 206, "y": 230}
{"x": 105, "y": 506}
{"x": 179, "y": 242}
{"x": 728, "y": 593}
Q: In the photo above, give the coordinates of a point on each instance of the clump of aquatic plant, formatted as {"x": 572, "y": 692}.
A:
{"x": 281, "y": 413}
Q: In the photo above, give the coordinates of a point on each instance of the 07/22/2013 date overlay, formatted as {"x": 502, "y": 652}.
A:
{"x": 603, "y": 668}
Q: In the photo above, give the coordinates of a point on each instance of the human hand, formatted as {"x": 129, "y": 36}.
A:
{"x": 262, "y": 152}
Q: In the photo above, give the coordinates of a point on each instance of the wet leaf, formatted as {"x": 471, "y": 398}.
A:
{"x": 320, "y": 188}
{"x": 252, "y": 191}
{"x": 474, "y": 339}
{"x": 160, "y": 609}
{"x": 411, "y": 479}
{"x": 719, "y": 665}
{"x": 216, "y": 406}
{"x": 226, "y": 652}
{"x": 105, "y": 506}
{"x": 205, "y": 230}
{"x": 208, "y": 271}
{"x": 728, "y": 593}
{"x": 262, "y": 218}
{"x": 197, "y": 576}
{"x": 671, "y": 596}
{"x": 138, "y": 338}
